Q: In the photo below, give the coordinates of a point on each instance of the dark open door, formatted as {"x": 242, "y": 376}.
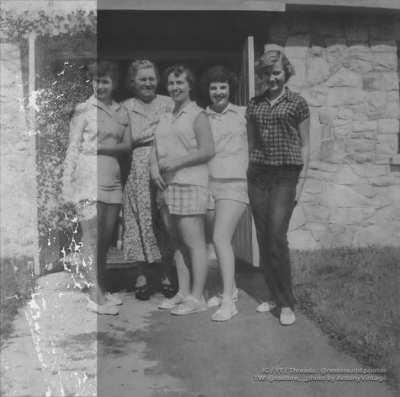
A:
{"x": 244, "y": 239}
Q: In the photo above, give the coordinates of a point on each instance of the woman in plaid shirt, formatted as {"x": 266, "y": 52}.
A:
{"x": 278, "y": 132}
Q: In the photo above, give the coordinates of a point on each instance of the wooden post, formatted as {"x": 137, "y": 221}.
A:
{"x": 31, "y": 89}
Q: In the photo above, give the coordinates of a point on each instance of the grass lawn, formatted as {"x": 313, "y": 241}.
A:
{"x": 353, "y": 295}
{"x": 16, "y": 286}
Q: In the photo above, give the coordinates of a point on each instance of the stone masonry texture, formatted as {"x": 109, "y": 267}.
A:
{"x": 347, "y": 68}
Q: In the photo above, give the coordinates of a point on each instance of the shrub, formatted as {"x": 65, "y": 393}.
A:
{"x": 54, "y": 104}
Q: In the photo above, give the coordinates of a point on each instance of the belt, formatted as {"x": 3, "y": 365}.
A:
{"x": 148, "y": 143}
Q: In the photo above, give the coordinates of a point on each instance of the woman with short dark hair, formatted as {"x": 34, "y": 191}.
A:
{"x": 227, "y": 179}
{"x": 99, "y": 134}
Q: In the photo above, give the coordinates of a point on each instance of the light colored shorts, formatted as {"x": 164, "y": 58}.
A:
{"x": 227, "y": 189}
{"x": 184, "y": 199}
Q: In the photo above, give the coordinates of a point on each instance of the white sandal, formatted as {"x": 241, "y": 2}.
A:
{"x": 189, "y": 306}
{"x": 225, "y": 312}
{"x": 287, "y": 316}
{"x": 168, "y": 304}
{"x": 102, "y": 309}
{"x": 217, "y": 299}
{"x": 113, "y": 299}
{"x": 265, "y": 307}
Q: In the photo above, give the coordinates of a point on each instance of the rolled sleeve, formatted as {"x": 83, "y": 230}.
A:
{"x": 303, "y": 111}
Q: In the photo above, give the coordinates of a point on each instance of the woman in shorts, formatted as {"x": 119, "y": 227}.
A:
{"x": 228, "y": 182}
{"x": 184, "y": 145}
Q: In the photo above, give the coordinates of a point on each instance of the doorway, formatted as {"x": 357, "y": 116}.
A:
{"x": 199, "y": 40}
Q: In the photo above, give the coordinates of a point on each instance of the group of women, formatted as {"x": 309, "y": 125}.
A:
{"x": 204, "y": 164}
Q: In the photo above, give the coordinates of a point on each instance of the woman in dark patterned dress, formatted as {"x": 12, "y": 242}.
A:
{"x": 140, "y": 244}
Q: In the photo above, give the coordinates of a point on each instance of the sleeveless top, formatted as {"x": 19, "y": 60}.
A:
{"x": 175, "y": 137}
{"x": 230, "y": 137}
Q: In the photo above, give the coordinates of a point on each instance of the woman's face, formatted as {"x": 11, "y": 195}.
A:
{"x": 178, "y": 87}
{"x": 219, "y": 94}
{"x": 103, "y": 87}
{"x": 273, "y": 79}
{"x": 145, "y": 84}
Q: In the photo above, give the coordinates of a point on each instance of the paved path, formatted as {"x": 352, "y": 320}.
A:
{"x": 147, "y": 353}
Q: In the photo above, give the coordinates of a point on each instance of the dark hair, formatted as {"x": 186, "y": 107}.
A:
{"x": 178, "y": 70}
{"x": 104, "y": 68}
{"x": 218, "y": 74}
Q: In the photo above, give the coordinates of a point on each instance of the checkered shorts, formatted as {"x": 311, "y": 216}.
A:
{"x": 184, "y": 199}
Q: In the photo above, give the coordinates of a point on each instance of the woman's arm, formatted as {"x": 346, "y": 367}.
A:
{"x": 205, "y": 151}
{"x": 117, "y": 149}
{"x": 154, "y": 169}
{"x": 251, "y": 133}
{"x": 304, "y": 130}
{"x": 76, "y": 127}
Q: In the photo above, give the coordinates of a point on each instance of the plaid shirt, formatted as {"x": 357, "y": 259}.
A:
{"x": 277, "y": 140}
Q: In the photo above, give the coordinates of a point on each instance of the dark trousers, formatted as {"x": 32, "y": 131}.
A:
{"x": 272, "y": 192}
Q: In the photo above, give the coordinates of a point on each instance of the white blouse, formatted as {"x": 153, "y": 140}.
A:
{"x": 230, "y": 137}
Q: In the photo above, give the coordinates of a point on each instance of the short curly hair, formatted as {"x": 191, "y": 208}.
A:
{"x": 270, "y": 58}
{"x": 103, "y": 68}
{"x": 177, "y": 70}
{"x": 139, "y": 64}
{"x": 218, "y": 74}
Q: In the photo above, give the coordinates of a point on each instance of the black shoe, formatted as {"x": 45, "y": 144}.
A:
{"x": 169, "y": 281}
{"x": 143, "y": 292}
{"x": 169, "y": 290}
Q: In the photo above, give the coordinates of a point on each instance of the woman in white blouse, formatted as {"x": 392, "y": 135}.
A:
{"x": 227, "y": 173}
{"x": 99, "y": 134}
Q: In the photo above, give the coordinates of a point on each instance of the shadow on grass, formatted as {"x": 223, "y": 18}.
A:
{"x": 16, "y": 285}
{"x": 352, "y": 294}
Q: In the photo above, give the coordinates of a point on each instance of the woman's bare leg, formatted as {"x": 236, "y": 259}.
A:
{"x": 227, "y": 216}
{"x": 182, "y": 270}
{"x": 191, "y": 229}
{"x": 90, "y": 256}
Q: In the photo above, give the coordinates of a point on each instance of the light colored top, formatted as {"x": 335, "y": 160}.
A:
{"x": 230, "y": 138}
{"x": 144, "y": 117}
{"x": 84, "y": 171}
{"x": 175, "y": 137}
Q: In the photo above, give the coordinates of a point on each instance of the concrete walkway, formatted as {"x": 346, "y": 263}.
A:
{"x": 144, "y": 352}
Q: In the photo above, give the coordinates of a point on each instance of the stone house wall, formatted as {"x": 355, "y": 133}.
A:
{"x": 18, "y": 208}
{"x": 347, "y": 69}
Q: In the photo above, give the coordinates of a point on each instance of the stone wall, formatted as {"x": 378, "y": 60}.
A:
{"x": 347, "y": 69}
{"x": 18, "y": 208}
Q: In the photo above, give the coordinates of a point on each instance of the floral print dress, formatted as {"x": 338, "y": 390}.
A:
{"x": 141, "y": 239}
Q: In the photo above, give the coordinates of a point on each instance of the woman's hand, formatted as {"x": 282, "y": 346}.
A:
{"x": 169, "y": 165}
{"x": 155, "y": 170}
{"x": 299, "y": 188}
{"x": 156, "y": 177}
{"x": 304, "y": 130}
